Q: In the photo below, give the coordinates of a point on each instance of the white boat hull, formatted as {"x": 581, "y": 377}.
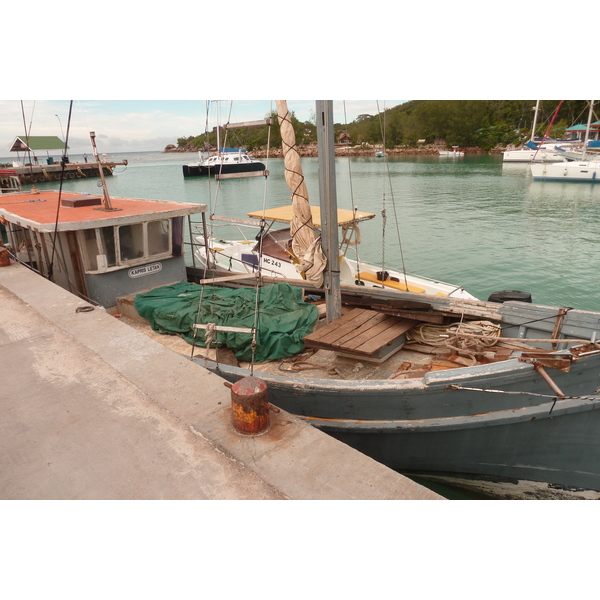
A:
{"x": 567, "y": 171}
{"x": 526, "y": 156}
{"x": 239, "y": 257}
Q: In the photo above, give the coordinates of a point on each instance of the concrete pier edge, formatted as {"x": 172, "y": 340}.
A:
{"x": 136, "y": 385}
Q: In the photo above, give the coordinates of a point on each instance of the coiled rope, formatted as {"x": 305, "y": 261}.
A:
{"x": 487, "y": 334}
{"x": 464, "y": 338}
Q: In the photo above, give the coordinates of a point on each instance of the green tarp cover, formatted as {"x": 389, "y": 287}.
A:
{"x": 283, "y": 317}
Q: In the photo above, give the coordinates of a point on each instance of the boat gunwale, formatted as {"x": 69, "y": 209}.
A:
{"x": 507, "y": 416}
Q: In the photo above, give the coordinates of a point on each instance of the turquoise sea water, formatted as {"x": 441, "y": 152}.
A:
{"x": 473, "y": 221}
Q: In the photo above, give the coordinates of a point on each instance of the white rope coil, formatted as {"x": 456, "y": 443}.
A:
{"x": 485, "y": 333}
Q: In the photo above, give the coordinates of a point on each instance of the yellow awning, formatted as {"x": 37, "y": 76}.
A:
{"x": 283, "y": 214}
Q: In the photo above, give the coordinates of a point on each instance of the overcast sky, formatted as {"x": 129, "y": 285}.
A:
{"x": 144, "y": 125}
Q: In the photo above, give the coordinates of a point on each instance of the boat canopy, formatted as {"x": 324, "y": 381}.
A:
{"x": 284, "y": 214}
{"x": 37, "y": 142}
{"x": 222, "y": 149}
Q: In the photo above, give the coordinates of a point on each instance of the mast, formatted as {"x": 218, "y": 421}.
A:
{"x": 587, "y": 131}
{"x": 535, "y": 116}
{"x": 305, "y": 242}
{"x": 218, "y": 137}
{"x": 328, "y": 203}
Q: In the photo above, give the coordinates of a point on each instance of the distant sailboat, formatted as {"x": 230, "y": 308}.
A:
{"x": 545, "y": 152}
{"x": 579, "y": 169}
{"x": 227, "y": 163}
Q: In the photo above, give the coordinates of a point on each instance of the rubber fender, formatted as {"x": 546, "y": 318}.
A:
{"x": 508, "y": 295}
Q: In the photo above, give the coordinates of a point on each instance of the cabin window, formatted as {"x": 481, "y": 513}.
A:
{"x": 107, "y": 241}
{"x": 90, "y": 244}
{"x": 107, "y": 248}
{"x": 158, "y": 237}
{"x": 131, "y": 241}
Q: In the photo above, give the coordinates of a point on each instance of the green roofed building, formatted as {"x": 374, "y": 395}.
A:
{"x": 37, "y": 142}
{"x": 579, "y": 130}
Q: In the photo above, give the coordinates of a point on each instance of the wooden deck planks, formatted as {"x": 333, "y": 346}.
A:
{"x": 360, "y": 331}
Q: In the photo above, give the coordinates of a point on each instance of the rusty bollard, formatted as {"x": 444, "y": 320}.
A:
{"x": 250, "y": 405}
{"x": 4, "y": 256}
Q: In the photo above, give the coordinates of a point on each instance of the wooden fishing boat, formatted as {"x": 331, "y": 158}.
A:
{"x": 97, "y": 247}
{"x": 501, "y": 399}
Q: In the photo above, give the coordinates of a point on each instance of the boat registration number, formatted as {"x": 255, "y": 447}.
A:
{"x": 272, "y": 262}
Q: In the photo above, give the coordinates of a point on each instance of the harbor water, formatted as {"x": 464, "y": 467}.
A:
{"x": 472, "y": 221}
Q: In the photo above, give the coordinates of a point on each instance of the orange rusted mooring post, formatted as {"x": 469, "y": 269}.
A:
{"x": 4, "y": 256}
{"x": 250, "y": 405}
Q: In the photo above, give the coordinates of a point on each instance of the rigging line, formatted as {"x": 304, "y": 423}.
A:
{"x": 213, "y": 199}
{"x": 396, "y": 219}
{"x": 261, "y": 233}
{"x": 549, "y": 128}
{"x": 352, "y": 203}
{"x": 517, "y": 393}
{"x": 28, "y": 133}
{"x": 383, "y": 203}
{"x": 354, "y": 207}
{"x": 55, "y": 232}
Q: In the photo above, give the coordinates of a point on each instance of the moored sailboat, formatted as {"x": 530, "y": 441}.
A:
{"x": 292, "y": 252}
{"x": 227, "y": 162}
{"x": 578, "y": 169}
{"x": 547, "y": 151}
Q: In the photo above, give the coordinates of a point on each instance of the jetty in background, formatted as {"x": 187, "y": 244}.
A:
{"x": 38, "y": 169}
{"x": 37, "y": 173}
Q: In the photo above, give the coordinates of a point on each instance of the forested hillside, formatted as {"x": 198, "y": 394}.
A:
{"x": 483, "y": 124}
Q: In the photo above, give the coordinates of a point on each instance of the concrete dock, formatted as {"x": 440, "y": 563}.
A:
{"x": 90, "y": 408}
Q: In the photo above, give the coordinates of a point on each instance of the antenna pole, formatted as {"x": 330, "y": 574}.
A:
{"x": 107, "y": 204}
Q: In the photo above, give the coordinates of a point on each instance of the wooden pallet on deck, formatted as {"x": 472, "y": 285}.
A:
{"x": 361, "y": 333}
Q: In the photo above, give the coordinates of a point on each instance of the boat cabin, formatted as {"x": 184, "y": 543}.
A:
{"x": 9, "y": 181}
{"x": 95, "y": 252}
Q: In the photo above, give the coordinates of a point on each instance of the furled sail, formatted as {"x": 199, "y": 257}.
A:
{"x": 306, "y": 244}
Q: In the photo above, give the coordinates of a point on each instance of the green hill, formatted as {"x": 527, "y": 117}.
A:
{"x": 483, "y": 124}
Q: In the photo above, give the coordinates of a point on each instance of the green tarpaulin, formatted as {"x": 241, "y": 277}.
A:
{"x": 283, "y": 317}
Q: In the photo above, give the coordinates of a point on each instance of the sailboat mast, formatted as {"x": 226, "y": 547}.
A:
{"x": 535, "y": 116}
{"x": 328, "y": 204}
{"x": 587, "y": 131}
{"x": 218, "y": 136}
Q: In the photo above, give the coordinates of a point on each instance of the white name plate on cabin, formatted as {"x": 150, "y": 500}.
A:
{"x": 145, "y": 270}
